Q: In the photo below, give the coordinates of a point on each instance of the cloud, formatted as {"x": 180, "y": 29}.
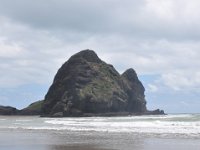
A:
{"x": 32, "y": 54}
{"x": 170, "y": 19}
{"x": 185, "y": 103}
{"x": 155, "y": 37}
{"x": 152, "y": 88}
{"x": 182, "y": 81}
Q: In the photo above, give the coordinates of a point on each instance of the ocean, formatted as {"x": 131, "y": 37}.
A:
{"x": 168, "y": 132}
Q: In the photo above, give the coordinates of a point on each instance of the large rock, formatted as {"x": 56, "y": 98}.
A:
{"x": 85, "y": 85}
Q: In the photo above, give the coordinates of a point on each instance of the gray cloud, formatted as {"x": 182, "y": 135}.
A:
{"x": 132, "y": 18}
{"x": 156, "y": 37}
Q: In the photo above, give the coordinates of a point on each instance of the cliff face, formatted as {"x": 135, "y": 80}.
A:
{"x": 87, "y": 85}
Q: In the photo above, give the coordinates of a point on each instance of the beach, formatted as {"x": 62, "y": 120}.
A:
{"x": 172, "y": 132}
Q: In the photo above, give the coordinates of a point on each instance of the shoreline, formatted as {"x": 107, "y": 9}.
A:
{"x": 53, "y": 140}
{"x": 11, "y": 111}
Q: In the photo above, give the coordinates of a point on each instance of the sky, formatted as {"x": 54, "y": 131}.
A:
{"x": 160, "y": 39}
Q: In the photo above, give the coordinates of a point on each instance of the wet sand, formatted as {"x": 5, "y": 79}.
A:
{"x": 64, "y": 140}
{"x": 45, "y": 140}
{"x": 77, "y": 147}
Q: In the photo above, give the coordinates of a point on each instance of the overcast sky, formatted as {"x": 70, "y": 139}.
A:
{"x": 160, "y": 39}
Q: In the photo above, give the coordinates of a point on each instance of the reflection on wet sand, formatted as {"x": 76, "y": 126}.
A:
{"x": 65, "y": 140}
{"x": 76, "y": 147}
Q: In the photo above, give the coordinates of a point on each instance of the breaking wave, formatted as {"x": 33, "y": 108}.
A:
{"x": 187, "y": 124}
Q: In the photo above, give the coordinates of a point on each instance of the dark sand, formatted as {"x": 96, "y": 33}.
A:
{"x": 18, "y": 139}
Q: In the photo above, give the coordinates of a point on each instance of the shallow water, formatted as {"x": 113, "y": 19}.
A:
{"x": 169, "y": 132}
{"x": 187, "y": 125}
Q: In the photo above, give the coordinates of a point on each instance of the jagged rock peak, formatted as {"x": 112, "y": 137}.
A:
{"x": 88, "y": 55}
{"x": 130, "y": 74}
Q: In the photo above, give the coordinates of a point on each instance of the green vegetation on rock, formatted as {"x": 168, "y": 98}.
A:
{"x": 32, "y": 109}
{"x": 87, "y": 85}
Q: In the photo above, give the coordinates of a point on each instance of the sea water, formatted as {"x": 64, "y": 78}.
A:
{"x": 174, "y": 131}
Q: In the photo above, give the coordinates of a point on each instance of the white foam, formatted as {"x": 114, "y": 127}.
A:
{"x": 172, "y": 124}
{"x": 23, "y": 120}
{"x": 134, "y": 124}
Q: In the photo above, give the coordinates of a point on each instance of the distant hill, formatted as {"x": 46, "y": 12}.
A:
{"x": 32, "y": 109}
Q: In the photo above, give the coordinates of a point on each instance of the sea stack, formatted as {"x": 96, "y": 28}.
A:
{"x": 87, "y": 86}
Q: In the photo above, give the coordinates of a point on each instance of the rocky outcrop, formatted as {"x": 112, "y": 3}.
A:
{"x": 155, "y": 112}
{"x": 7, "y": 110}
{"x": 87, "y": 86}
{"x": 135, "y": 91}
